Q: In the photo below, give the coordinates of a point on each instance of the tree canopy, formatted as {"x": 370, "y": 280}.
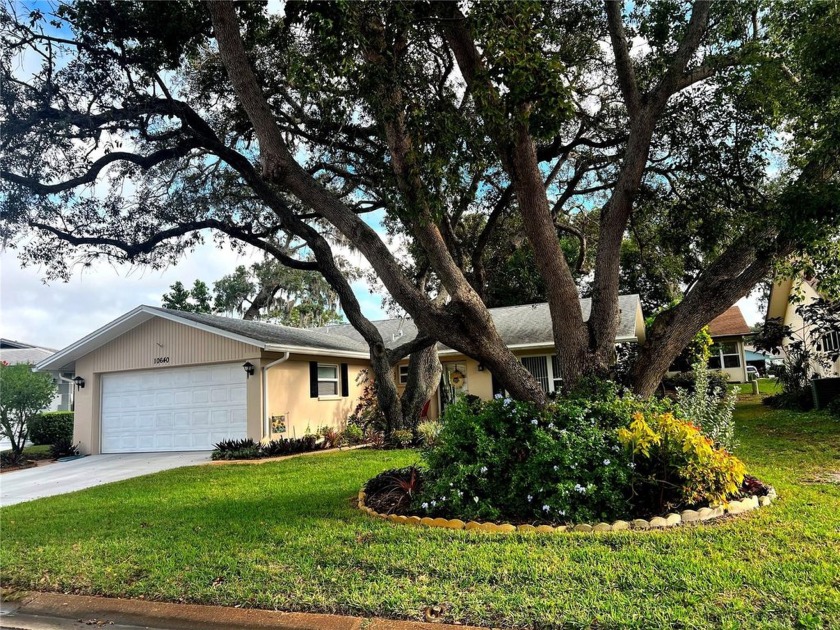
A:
{"x": 694, "y": 142}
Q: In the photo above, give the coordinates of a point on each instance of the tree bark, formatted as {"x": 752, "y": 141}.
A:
{"x": 733, "y": 275}
{"x": 424, "y": 370}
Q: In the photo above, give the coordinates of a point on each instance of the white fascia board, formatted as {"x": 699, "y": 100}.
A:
{"x": 80, "y": 347}
{"x": 537, "y": 346}
{"x": 321, "y": 352}
{"x": 120, "y": 326}
{"x": 205, "y": 327}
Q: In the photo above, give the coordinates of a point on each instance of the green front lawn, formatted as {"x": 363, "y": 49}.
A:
{"x": 285, "y": 535}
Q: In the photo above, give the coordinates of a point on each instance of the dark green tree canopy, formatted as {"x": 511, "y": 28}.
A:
{"x": 693, "y": 143}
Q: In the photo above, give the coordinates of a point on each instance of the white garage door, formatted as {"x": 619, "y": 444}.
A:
{"x": 173, "y": 409}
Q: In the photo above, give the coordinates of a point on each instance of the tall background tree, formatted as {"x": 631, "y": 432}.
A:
{"x": 561, "y": 129}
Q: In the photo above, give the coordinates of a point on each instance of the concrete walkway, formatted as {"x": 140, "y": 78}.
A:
{"x": 63, "y": 477}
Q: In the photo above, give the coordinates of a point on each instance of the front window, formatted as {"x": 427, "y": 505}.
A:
{"x": 327, "y": 380}
{"x": 725, "y": 354}
{"x": 546, "y": 370}
{"x": 403, "y": 374}
{"x": 830, "y": 342}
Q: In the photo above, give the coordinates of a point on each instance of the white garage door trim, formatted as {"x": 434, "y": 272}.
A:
{"x": 172, "y": 409}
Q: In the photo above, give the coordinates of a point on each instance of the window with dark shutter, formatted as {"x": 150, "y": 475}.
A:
{"x": 313, "y": 379}
{"x": 345, "y": 380}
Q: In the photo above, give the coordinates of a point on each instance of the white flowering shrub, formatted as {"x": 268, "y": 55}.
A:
{"x": 709, "y": 408}
{"x": 508, "y": 460}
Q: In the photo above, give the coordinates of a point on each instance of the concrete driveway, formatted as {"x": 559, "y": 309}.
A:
{"x": 63, "y": 477}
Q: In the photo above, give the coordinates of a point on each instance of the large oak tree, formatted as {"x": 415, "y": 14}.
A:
{"x": 150, "y": 125}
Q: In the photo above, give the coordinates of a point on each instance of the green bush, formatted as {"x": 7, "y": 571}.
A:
{"x": 51, "y": 427}
{"x": 402, "y": 438}
{"x": 833, "y": 407}
{"x": 428, "y": 431}
{"x": 510, "y": 460}
{"x": 709, "y": 407}
{"x": 352, "y": 434}
{"x": 63, "y": 448}
{"x": 717, "y": 380}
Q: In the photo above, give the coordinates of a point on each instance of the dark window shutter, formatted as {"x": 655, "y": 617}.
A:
{"x": 345, "y": 380}
{"x": 313, "y": 379}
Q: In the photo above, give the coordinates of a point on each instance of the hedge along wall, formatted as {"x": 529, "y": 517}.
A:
{"x": 51, "y": 426}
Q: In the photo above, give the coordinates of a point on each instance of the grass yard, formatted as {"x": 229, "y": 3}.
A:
{"x": 285, "y": 535}
{"x": 766, "y": 387}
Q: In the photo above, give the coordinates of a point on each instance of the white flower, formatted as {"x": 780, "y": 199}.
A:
{"x": 556, "y": 467}
{"x": 632, "y": 466}
{"x": 425, "y": 506}
{"x": 483, "y": 469}
{"x": 475, "y": 499}
{"x": 546, "y": 508}
{"x": 616, "y": 448}
{"x": 530, "y": 498}
{"x": 561, "y": 512}
{"x": 550, "y": 425}
{"x": 451, "y": 485}
{"x": 434, "y": 503}
{"x": 508, "y": 401}
{"x": 606, "y": 462}
{"x": 580, "y": 488}
{"x": 460, "y": 494}
{"x": 535, "y": 422}
{"x": 497, "y": 396}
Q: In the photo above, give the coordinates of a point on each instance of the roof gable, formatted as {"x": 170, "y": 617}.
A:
{"x": 729, "y": 323}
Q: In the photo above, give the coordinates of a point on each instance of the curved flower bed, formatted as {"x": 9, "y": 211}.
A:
{"x": 597, "y": 459}
{"x": 703, "y": 515}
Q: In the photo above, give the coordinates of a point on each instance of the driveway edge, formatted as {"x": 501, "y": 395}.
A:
{"x": 190, "y": 616}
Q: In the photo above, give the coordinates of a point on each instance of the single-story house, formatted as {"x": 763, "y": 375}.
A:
{"x": 157, "y": 379}
{"x": 727, "y": 353}
{"x": 14, "y": 352}
{"x": 786, "y": 295}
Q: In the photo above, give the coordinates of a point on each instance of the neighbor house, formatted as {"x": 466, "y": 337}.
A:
{"x": 163, "y": 380}
{"x": 786, "y": 295}
{"x": 14, "y": 352}
{"x": 728, "y": 331}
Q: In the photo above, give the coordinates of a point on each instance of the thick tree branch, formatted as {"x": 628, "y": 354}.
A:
{"x": 623, "y": 63}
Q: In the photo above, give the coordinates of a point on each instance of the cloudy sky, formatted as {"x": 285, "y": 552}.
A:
{"x": 57, "y": 314}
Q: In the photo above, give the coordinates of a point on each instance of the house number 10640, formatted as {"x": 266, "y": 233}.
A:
{"x": 159, "y": 360}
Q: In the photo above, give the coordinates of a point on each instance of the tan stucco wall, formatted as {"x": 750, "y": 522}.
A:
{"x": 136, "y": 350}
{"x": 288, "y": 394}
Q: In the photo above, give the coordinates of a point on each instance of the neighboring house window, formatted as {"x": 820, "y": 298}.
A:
{"x": 830, "y": 342}
{"x": 403, "y": 374}
{"x": 725, "y": 355}
{"x": 327, "y": 380}
{"x": 546, "y": 369}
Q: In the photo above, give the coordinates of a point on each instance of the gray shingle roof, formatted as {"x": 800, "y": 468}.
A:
{"x": 272, "y": 333}
{"x": 13, "y": 356}
{"x": 525, "y": 325}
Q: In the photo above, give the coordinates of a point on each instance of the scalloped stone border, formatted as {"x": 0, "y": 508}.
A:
{"x": 673, "y": 519}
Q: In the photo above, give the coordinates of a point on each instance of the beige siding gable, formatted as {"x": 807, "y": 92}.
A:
{"x": 160, "y": 343}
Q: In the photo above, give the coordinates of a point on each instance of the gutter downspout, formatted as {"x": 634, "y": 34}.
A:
{"x": 265, "y": 369}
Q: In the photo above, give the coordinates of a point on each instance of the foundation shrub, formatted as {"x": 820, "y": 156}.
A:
{"x": 49, "y": 427}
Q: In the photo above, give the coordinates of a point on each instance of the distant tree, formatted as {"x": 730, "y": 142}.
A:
{"x": 178, "y": 299}
{"x": 23, "y": 393}
{"x": 201, "y": 297}
{"x": 195, "y": 300}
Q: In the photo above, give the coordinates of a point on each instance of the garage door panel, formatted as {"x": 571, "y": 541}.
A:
{"x": 173, "y": 409}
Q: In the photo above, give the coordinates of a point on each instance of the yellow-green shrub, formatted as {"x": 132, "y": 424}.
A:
{"x": 678, "y": 465}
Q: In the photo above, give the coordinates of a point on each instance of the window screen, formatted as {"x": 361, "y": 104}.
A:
{"x": 538, "y": 367}
{"x": 327, "y": 380}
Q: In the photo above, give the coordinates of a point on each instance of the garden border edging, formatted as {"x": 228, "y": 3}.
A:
{"x": 657, "y": 522}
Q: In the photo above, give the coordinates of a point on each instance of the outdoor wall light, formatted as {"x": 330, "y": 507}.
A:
{"x": 249, "y": 369}
{"x": 480, "y": 367}
{"x": 80, "y": 382}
